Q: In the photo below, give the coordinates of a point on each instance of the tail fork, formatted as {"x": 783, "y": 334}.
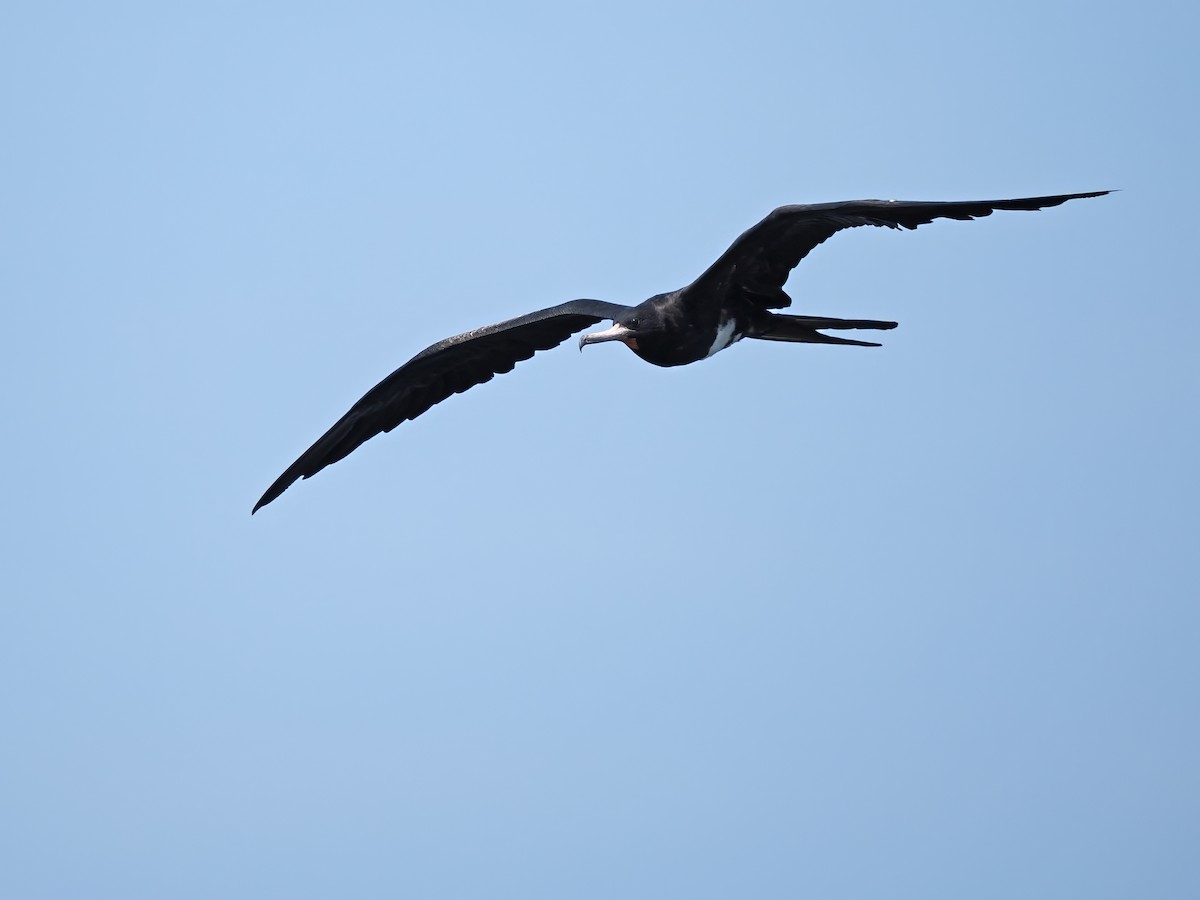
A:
{"x": 803, "y": 329}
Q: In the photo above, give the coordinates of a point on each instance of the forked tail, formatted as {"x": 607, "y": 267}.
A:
{"x": 804, "y": 329}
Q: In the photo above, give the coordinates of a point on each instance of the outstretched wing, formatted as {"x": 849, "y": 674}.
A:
{"x": 448, "y": 367}
{"x": 760, "y": 260}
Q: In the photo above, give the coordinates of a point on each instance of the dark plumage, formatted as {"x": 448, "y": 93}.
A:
{"x": 733, "y": 299}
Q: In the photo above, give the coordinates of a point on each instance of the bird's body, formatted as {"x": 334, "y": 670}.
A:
{"x": 733, "y": 299}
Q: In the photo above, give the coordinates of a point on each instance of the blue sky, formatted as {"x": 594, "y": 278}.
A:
{"x": 917, "y": 621}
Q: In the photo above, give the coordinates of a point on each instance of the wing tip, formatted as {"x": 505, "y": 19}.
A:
{"x": 1063, "y": 198}
{"x": 271, "y": 494}
{"x": 263, "y": 501}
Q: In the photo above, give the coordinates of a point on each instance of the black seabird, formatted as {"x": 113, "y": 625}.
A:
{"x": 732, "y": 300}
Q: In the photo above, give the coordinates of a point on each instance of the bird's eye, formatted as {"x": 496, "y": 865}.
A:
{"x": 634, "y": 322}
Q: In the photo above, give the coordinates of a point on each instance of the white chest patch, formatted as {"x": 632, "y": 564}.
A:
{"x": 725, "y": 337}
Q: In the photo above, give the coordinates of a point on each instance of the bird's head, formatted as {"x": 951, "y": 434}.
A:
{"x": 637, "y": 329}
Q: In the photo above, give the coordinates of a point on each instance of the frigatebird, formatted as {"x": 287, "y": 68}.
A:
{"x": 731, "y": 300}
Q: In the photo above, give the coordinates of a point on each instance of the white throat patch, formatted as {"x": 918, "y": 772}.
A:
{"x": 725, "y": 336}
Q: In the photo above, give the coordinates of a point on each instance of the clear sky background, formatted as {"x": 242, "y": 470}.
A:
{"x": 919, "y": 621}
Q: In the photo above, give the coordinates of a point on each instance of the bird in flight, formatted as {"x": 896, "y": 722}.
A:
{"x": 731, "y": 300}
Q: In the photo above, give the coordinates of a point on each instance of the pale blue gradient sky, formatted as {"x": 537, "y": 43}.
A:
{"x": 797, "y": 621}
